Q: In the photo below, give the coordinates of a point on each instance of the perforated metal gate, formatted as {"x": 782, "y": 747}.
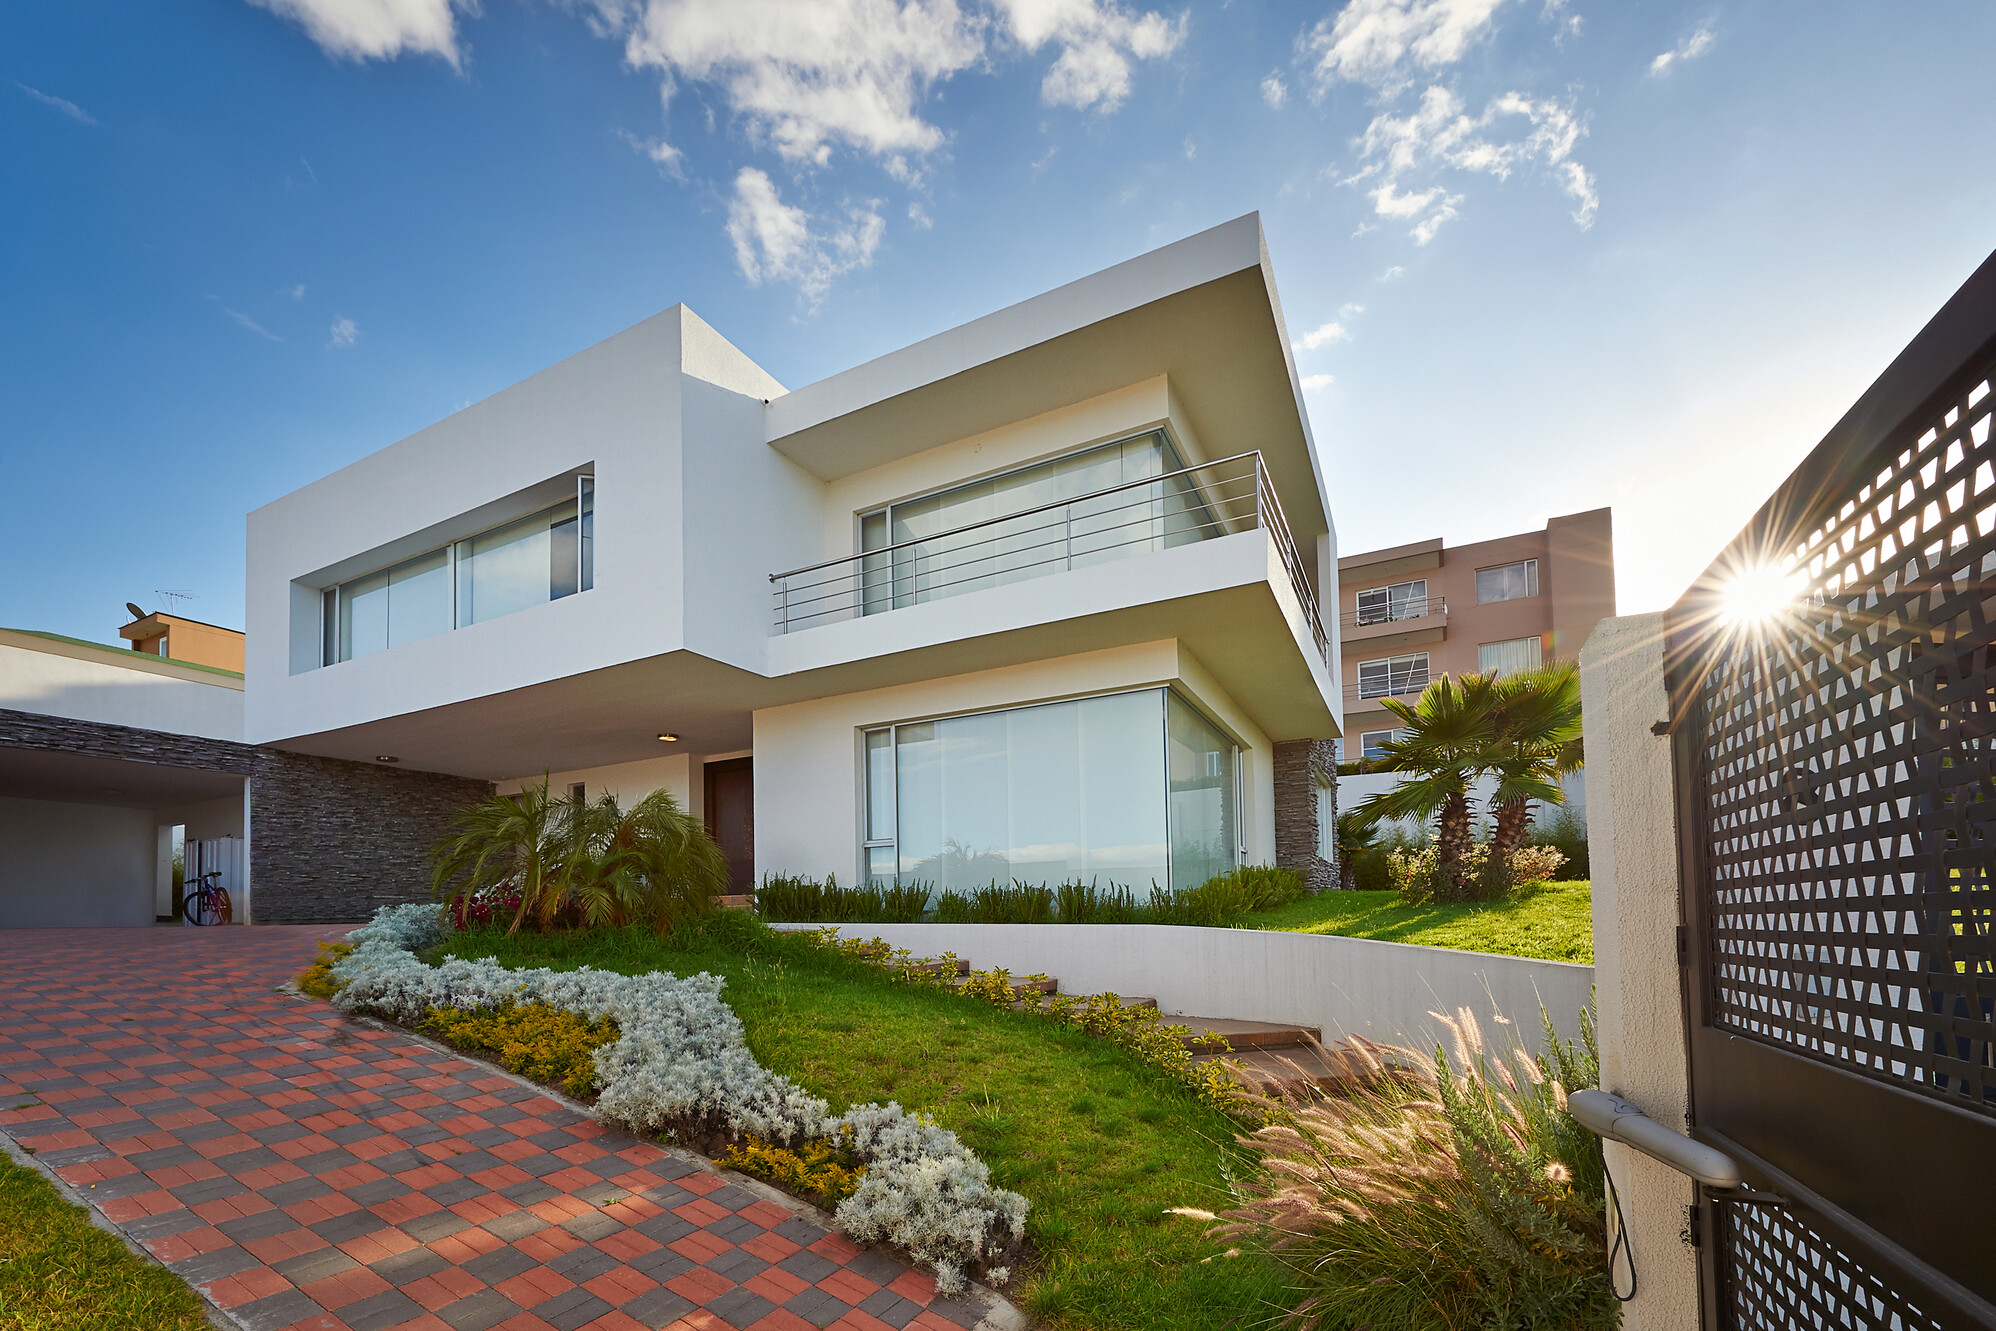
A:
{"x": 1837, "y": 785}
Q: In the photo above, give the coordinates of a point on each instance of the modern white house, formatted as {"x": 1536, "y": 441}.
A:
{"x": 1037, "y": 597}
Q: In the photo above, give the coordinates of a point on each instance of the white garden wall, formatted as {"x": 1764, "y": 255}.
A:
{"x": 1346, "y": 986}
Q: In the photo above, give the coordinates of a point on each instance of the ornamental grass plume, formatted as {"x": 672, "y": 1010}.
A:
{"x": 1437, "y": 1194}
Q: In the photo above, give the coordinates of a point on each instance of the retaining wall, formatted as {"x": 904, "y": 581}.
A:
{"x": 1347, "y": 986}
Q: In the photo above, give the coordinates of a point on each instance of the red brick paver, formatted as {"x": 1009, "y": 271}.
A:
{"x": 304, "y": 1170}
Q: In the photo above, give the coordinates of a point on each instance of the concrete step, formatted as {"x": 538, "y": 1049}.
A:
{"x": 1278, "y": 1068}
{"x": 1241, "y": 1035}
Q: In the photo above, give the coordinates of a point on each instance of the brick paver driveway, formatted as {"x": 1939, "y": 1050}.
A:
{"x": 305, "y": 1170}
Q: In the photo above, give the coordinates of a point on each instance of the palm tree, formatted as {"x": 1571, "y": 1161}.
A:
{"x": 516, "y": 839}
{"x": 1535, "y": 715}
{"x": 652, "y": 863}
{"x": 1356, "y": 834}
{"x": 1444, "y": 745}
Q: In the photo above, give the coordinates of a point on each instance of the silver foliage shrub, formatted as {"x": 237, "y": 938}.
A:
{"x": 681, "y": 1059}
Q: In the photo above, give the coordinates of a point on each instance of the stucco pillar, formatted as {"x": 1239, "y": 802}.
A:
{"x": 1301, "y": 765}
{"x": 1632, "y": 841}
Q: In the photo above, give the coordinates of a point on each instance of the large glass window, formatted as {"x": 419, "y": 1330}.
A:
{"x": 524, "y": 563}
{"x": 1372, "y": 743}
{"x": 1508, "y": 658}
{"x": 931, "y": 547}
{"x": 1507, "y": 582}
{"x": 1129, "y": 788}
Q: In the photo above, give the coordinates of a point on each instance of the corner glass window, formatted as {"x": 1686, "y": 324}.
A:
{"x": 1130, "y": 788}
{"x": 1507, "y": 582}
{"x": 524, "y": 563}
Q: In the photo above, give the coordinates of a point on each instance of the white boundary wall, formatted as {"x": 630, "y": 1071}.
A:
{"x": 1346, "y": 986}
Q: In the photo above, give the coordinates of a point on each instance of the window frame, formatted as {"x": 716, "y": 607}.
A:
{"x": 1531, "y": 567}
{"x": 1426, "y": 672}
{"x": 332, "y": 603}
{"x": 864, "y": 784}
{"x": 1538, "y": 652}
{"x": 1364, "y": 749}
{"x": 1386, "y": 615}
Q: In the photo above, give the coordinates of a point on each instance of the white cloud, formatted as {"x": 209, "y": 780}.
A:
{"x": 1098, "y": 39}
{"x": 918, "y": 217}
{"x": 1314, "y": 382}
{"x": 1323, "y": 336}
{"x": 1274, "y": 91}
{"x": 778, "y": 242}
{"x": 1351, "y": 309}
{"x": 1391, "y": 273}
{"x": 377, "y": 29}
{"x": 1381, "y": 42}
{"x": 251, "y": 324}
{"x": 62, "y": 104}
{"x": 1440, "y": 134}
{"x": 658, "y": 150}
{"x": 344, "y": 333}
{"x": 1191, "y": 148}
{"x": 296, "y": 293}
{"x": 1690, "y": 48}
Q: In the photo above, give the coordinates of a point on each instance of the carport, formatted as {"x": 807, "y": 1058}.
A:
{"x": 88, "y": 840}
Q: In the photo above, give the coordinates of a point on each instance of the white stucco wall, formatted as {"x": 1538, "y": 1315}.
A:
{"x": 807, "y": 755}
{"x": 629, "y": 782}
{"x": 75, "y": 864}
{"x": 1345, "y": 986}
{"x": 1633, "y": 846}
{"x": 54, "y": 679}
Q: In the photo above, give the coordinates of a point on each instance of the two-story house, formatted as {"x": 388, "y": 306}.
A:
{"x": 1036, "y": 597}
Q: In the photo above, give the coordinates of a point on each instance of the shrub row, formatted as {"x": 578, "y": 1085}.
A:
{"x": 1219, "y": 900}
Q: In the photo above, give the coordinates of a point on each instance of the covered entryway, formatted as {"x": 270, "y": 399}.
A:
{"x": 88, "y": 840}
{"x": 730, "y": 804}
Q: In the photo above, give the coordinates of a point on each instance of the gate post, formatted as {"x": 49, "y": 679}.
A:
{"x": 1633, "y": 849}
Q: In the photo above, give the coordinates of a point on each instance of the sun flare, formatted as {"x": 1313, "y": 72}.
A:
{"x": 1757, "y": 595}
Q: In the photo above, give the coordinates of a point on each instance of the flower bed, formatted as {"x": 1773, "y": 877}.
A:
{"x": 680, "y": 1068}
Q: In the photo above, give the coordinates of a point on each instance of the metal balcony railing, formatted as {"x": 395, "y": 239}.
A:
{"x": 1396, "y": 684}
{"x": 1418, "y": 607}
{"x": 1178, "y": 508}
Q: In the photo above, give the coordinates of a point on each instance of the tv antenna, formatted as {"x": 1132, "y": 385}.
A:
{"x": 173, "y": 599}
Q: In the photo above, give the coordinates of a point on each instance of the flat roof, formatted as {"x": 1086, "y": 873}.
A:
{"x": 1202, "y": 311}
{"x": 118, "y": 656}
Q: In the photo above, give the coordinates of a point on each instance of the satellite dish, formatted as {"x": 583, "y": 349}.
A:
{"x": 136, "y": 612}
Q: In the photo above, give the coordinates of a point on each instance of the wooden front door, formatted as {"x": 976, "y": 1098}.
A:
{"x": 730, "y": 797}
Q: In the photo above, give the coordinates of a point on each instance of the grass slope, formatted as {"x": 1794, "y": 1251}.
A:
{"x": 1098, "y": 1142}
{"x": 1553, "y": 922}
{"x": 59, "y": 1272}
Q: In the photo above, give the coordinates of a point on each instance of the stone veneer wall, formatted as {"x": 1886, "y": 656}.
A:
{"x": 330, "y": 841}
{"x": 1299, "y": 765}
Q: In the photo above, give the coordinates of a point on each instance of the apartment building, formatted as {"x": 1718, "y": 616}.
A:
{"x": 1036, "y": 597}
{"x": 1415, "y": 612}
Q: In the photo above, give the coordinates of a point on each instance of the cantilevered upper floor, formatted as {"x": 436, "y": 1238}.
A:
{"x": 656, "y": 527}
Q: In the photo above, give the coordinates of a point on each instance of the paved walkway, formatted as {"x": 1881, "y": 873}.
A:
{"x": 304, "y": 1170}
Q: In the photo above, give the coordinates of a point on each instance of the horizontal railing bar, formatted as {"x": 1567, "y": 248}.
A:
{"x": 1024, "y": 512}
{"x": 894, "y": 582}
{"x": 1367, "y": 618}
{"x": 1064, "y": 541}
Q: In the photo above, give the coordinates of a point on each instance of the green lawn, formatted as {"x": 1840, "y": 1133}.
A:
{"x": 59, "y": 1272}
{"x": 1098, "y": 1142}
{"x": 1553, "y": 922}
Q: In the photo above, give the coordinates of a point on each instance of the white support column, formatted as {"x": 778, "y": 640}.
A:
{"x": 243, "y": 908}
{"x": 1632, "y": 843}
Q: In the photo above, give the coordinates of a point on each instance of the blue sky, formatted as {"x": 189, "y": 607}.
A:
{"x": 1539, "y": 257}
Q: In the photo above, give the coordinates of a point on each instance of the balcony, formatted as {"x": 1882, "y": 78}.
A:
{"x": 1200, "y": 503}
{"x": 1404, "y": 623}
{"x": 1418, "y": 607}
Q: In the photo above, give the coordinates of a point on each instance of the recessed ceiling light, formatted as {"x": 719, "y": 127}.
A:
{"x": 669, "y": 738}
{"x": 386, "y": 758}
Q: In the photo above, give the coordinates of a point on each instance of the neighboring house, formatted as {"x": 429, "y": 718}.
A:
{"x": 1413, "y": 613}
{"x": 1037, "y": 597}
{"x": 170, "y": 636}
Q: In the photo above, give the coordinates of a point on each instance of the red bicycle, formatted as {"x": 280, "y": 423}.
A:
{"x": 207, "y": 902}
